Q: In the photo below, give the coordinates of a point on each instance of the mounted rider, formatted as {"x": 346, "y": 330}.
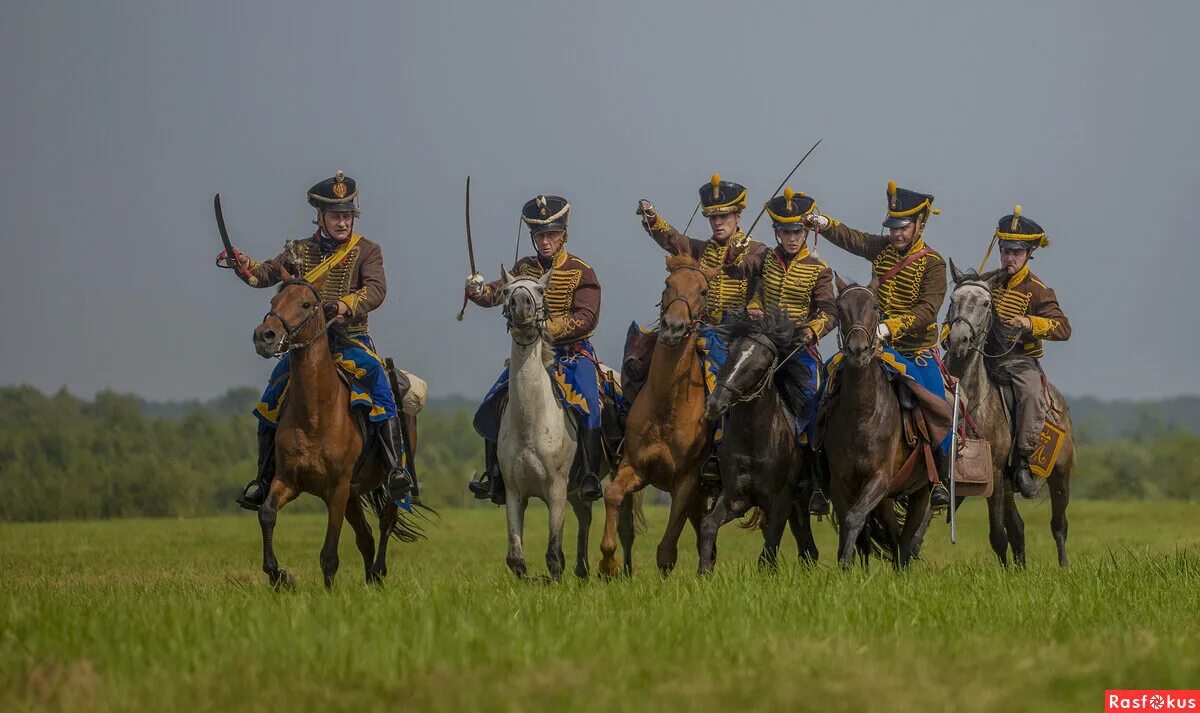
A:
{"x": 911, "y": 278}
{"x": 736, "y": 254}
{"x": 354, "y": 285}
{"x": 572, "y": 300}
{"x": 798, "y": 282}
{"x": 1030, "y": 313}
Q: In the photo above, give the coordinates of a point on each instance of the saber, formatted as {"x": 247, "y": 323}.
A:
{"x": 781, "y": 185}
{"x": 470, "y": 249}
{"x": 230, "y": 254}
{"x": 953, "y": 458}
{"x": 694, "y": 212}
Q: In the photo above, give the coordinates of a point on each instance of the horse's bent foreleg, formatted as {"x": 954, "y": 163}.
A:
{"x": 280, "y": 494}
{"x": 997, "y": 532}
{"x": 516, "y": 504}
{"x": 627, "y": 530}
{"x": 856, "y": 516}
{"x": 915, "y": 521}
{"x": 336, "y": 503}
{"x": 556, "y": 503}
{"x": 681, "y": 507}
{"x": 387, "y": 522}
{"x": 583, "y": 516}
{"x": 709, "y": 526}
{"x": 627, "y": 481}
{"x": 362, "y": 535}
{"x": 1014, "y": 527}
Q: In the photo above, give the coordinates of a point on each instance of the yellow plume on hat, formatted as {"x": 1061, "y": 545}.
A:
{"x": 1012, "y": 226}
{"x": 788, "y": 193}
{"x": 716, "y": 184}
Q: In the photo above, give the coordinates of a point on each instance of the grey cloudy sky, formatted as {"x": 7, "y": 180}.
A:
{"x": 120, "y": 120}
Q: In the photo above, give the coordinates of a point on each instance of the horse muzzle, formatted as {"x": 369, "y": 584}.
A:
{"x": 268, "y": 341}
{"x": 717, "y": 403}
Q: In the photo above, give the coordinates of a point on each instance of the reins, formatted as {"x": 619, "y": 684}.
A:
{"x": 287, "y": 344}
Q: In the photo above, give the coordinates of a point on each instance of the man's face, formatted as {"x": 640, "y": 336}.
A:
{"x": 338, "y": 224}
{"x": 903, "y": 238}
{"x": 792, "y": 238}
{"x": 548, "y": 243}
{"x": 724, "y": 225}
{"x": 1013, "y": 259}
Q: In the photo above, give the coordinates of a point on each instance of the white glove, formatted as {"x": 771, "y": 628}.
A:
{"x": 882, "y": 332}
{"x": 816, "y": 221}
{"x": 475, "y": 285}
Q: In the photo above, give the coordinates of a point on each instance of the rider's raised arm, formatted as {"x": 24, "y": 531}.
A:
{"x": 585, "y": 311}
{"x": 853, "y": 241}
{"x": 671, "y": 240}
{"x": 916, "y": 321}
{"x": 374, "y": 283}
{"x": 1047, "y": 319}
{"x": 822, "y": 307}
{"x": 265, "y": 274}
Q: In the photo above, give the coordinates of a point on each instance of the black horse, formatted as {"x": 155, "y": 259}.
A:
{"x": 763, "y": 464}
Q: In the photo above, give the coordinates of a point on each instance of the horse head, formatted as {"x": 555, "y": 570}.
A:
{"x": 757, "y": 346}
{"x": 970, "y": 315}
{"x": 858, "y": 321}
{"x": 683, "y": 299}
{"x": 297, "y": 317}
{"x": 524, "y": 300}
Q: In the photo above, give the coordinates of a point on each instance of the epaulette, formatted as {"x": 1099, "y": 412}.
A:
{"x": 576, "y": 258}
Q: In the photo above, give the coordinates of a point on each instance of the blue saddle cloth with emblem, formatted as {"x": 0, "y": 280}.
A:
{"x": 370, "y": 390}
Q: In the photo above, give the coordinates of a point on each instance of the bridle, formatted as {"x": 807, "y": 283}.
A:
{"x": 288, "y": 343}
{"x": 693, "y": 320}
{"x": 844, "y": 335}
{"x": 978, "y": 337}
{"x": 539, "y": 320}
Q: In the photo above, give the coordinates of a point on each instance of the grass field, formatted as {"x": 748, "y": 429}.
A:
{"x": 175, "y": 615}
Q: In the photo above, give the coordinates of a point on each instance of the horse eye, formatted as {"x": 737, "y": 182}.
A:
{"x": 307, "y": 305}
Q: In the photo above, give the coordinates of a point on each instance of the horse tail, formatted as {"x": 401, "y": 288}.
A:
{"x": 754, "y": 520}
{"x": 408, "y": 524}
{"x": 640, "y": 526}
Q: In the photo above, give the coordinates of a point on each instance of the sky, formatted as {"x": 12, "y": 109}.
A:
{"x": 120, "y": 121}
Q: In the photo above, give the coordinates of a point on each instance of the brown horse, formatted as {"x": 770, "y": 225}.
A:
{"x": 865, "y": 445}
{"x": 973, "y": 331}
{"x": 666, "y": 436}
{"x": 319, "y": 440}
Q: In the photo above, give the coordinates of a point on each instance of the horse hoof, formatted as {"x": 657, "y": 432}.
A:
{"x": 284, "y": 580}
{"x": 581, "y": 572}
{"x": 375, "y": 578}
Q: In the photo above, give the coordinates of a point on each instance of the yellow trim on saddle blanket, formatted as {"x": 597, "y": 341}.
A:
{"x": 338, "y": 255}
{"x": 1043, "y": 458}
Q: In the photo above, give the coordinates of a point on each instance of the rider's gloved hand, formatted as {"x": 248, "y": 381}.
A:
{"x": 646, "y": 210}
{"x": 475, "y": 285}
{"x": 816, "y": 221}
{"x": 883, "y": 332}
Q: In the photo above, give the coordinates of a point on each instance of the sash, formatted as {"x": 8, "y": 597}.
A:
{"x": 903, "y": 264}
{"x": 338, "y": 255}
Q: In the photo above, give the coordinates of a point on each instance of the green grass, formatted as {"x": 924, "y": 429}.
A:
{"x": 175, "y": 614}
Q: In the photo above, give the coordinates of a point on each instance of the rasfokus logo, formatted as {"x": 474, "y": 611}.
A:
{"x": 1147, "y": 700}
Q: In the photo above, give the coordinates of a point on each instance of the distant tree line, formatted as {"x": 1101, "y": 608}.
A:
{"x": 62, "y": 457}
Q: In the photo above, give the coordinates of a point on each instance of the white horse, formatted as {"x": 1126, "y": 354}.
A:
{"x": 537, "y": 440}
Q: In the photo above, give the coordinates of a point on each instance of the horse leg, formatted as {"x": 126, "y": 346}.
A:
{"x": 281, "y": 494}
{"x": 556, "y": 503}
{"x": 515, "y": 504}
{"x": 800, "y": 521}
{"x": 856, "y": 516}
{"x": 336, "y": 505}
{"x": 627, "y": 530}
{"x": 997, "y": 534}
{"x": 681, "y": 507}
{"x": 915, "y": 521}
{"x": 362, "y": 535}
{"x": 1060, "y": 496}
{"x": 1014, "y": 526}
{"x": 707, "y": 537}
{"x": 627, "y": 481}
{"x": 777, "y": 519}
{"x": 387, "y": 521}
{"x": 583, "y": 515}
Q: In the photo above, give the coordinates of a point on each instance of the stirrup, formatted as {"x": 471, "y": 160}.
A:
{"x": 253, "y": 496}
{"x": 939, "y": 497}
{"x": 481, "y": 489}
{"x": 818, "y": 504}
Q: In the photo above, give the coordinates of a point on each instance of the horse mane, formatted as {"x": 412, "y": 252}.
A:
{"x": 674, "y": 262}
{"x": 339, "y": 338}
{"x": 778, "y": 327}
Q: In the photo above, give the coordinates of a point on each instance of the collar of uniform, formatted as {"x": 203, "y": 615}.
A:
{"x": 919, "y": 245}
{"x": 1019, "y": 277}
{"x": 559, "y": 259}
{"x": 800, "y": 255}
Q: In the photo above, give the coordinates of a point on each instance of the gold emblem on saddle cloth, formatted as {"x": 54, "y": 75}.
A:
{"x": 1043, "y": 458}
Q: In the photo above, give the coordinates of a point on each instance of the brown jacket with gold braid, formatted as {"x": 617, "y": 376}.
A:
{"x": 727, "y": 292}
{"x": 356, "y": 278}
{"x": 801, "y": 287}
{"x": 572, "y": 297}
{"x": 1026, "y": 295}
{"x": 913, "y": 297}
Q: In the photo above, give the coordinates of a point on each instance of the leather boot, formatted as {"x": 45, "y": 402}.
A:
{"x": 591, "y": 457}
{"x": 399, "y": 481}
{"x": 1029, "y": 486}
{"x": 940, "y": 496}
{"x": 818, "y": 504}
{"x": 255, "y": 492}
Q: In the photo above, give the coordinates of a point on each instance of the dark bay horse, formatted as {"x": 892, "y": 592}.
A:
{"x": 762, "y": 461}
{"x": 666, "y": 436}
{"x": 975, "y": 333}
{"x": 865, "y": 445}
{"x": 319, "y": 440}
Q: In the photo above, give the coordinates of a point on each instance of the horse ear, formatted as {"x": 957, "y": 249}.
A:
{"x": 283, "y": 271}
{"x": 956, "y": 274}
{"x": 505, "y": 275}
{"x": 544, "y": 280}
{"x": 873, "y": 285}
{"x": 996, "y": 278}
{"x": 841, "y": 284}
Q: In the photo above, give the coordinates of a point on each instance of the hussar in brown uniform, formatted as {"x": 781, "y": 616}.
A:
{"x": 1029, "y": 310}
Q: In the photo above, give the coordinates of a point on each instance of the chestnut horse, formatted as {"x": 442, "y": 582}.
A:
{"x": 864, "y": 443}
{"x": 666, "y": 436}
{"x": 973, "y": 331}
{"x": 319, "y": 440}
